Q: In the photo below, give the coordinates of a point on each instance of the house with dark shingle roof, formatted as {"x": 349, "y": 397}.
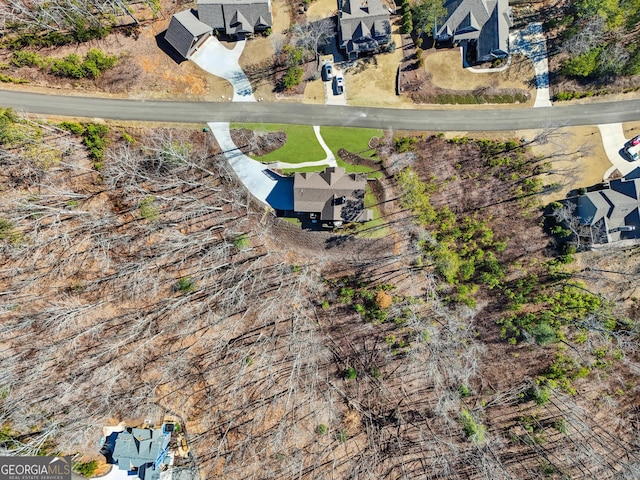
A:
{"x": 331, "y": 196}
{"x": 139, "y": 451}
{"x": 236, "y": 18}
{"x": 482, "y": 23}
{"x": 186, "y": 33}
{"x": 613, "y": 211}
{"x": 363, "y": 26}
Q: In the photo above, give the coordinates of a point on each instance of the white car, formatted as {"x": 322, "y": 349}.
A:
{"x": 632, "y": 147}
{"x": 338, "y": 82}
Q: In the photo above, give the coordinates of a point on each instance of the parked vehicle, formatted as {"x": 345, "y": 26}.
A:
{"x": 327, "y": 72}
{"x": 338, "y": 82}
{"x": 632, "y": 148}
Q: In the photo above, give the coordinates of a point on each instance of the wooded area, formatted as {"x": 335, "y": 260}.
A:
{"x": 139, "y": 278}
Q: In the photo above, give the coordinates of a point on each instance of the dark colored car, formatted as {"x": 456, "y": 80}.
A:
{"x": 327, "y": 72}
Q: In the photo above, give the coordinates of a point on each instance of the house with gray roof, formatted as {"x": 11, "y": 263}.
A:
{"x": 363, "y": 26}
{"x": 331, "y": 196}
{"x": 612, "y": 210}
{"x": 483, "y": 24}
{"x": 236, "y": 18}
{"x": 139, "y": 451}
{"x": 186, "y": 33}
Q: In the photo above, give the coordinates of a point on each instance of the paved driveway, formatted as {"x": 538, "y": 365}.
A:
{"x": 215, "y": 58}
{"x": 330, "y": 98}
{"x": 531, "y": 42}
{"x": 613, "y": 141}
{"x": 264, "y": 184}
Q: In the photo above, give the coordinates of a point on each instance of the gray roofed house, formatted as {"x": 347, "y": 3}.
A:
{"x": 485, "y": 23}
{"x": 236, "y": 17}
{"x": 613, "y": 212}
{"x": 142, "y": 451}
{"x": 186, "y": 33}
{"x": 332, "y": 196}
{"x": 363, "y": 26}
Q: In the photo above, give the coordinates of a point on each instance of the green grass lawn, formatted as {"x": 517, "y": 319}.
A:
{"x": 356, "y": 140}
{"x": 302, "y": 144}
{"x": 375, "y": 228}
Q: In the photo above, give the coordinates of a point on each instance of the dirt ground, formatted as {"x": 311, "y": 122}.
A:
{"x": 572, "y": 170}
{"x": 322, "y": 9}
{"x": 445, "y": 68}
{"x": 314, "y": 92}
{"x": 260, "y": 50}
{"x": 373, "y": 82}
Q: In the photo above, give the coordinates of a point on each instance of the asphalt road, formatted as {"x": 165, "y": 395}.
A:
{"x": 304, "y": 114}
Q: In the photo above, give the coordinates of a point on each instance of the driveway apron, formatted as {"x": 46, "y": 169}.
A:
{"x": 216, "y": 59}
{"x": 613, "y": 141}
{"x": 264, "y": 184}
{"x": 531, "y": 42}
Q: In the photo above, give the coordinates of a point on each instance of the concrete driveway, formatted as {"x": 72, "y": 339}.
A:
{"x": 216, "y": 59}
{"x": 115, "y": 474}
{"x": 330, "y": 98}
{"x": 532, "y": 43}
{"x": 265, "y": 185}
{"x": 613, "y": 141}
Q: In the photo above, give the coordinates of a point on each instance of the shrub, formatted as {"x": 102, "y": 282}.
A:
{"x": 448, "y": 264}
{"x": 541, "y": 394}
{"x": 73, "y": 127}
{"x": 186, "y": 285}
{"x": 583, "y": 65}
{"x": 321, "y": 429}
{"x": 148, "y": 209}
{"x": 24, "y": 58}
{"x": 96, "y": 62}
{"x": 6, "y": 230}
{"x": 241, "y": 242}
{"x": 95, "y": 140}
{"x": 351, "y": 373}
{"x": 128, "y": 138}
{"x": 87, "y": 469}
{"x": 405, "y": 144}
{"x": 293, "y": 77}
{"x": 544, "y": 333}
{"x": 464, "y": 391}
{"x": 69, "y": 66}
{"x": 475, "y": 432}
{"x": 407, "y": 23}
{"x": 561, "y": 426}
{"x": 10, "y": 79}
